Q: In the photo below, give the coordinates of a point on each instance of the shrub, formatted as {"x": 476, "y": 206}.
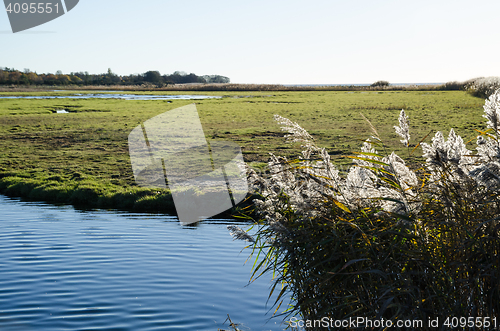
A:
{"x": 380, "y": 83}
{"x": 387, "y": 240}
{"x": 452, "y": 86}
{"x": 483, "y": 87}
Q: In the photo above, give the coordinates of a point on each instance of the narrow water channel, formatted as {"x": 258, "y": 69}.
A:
{"x": 66, "y": 269}
{"x": 122, "y": 96}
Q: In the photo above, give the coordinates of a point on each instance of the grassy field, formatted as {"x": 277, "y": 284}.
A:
{"x": 82, "y": 157}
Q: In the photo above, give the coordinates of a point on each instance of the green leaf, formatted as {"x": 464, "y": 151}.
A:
{"x": 378, "y": 170}
{"x": 368, "y": 154}
{"x": 420, "y": 142}
{"x": 368, "y": 160}
{"x": 352, "y": 262}
{"x": 341, "y": 205}
{"x": 389, "y": 199}
{"x": 406, "y": 218}
{"x": 391, "y": 182}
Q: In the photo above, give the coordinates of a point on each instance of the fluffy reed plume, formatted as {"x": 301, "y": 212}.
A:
{"x": 296, "y": 132}
{"x": 239, "y": 234}
{"x": 385, "y": 240}
{"x": 492, "y": 111}
{"x": 404, "y": 128}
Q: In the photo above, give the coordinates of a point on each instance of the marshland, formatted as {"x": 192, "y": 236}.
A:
{"x": 82, "y": 157}
{"x": 320, "y": 259}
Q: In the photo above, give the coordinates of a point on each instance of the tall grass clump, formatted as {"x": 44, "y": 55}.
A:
{"x": 385, "y": 240}
{"x": 483, "y": 87}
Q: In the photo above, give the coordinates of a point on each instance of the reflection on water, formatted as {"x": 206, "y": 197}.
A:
{"x": 116, "y": 96}
{"x": 62, "y": 269}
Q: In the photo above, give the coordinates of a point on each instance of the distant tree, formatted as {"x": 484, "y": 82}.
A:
{"x": 14, "y": 77}
{"x": 167, "y": 80}
{"x": 135, "y": 79}
{"x": 75, "y": 79}
{"x": 110, "y": 78}
{"x": 24, "y": 79}
{"x": 4, "y": 76}
{"x": 63, "y": 80}
{"x": 36, "y": 79}
{"x": 50, "y": 79}
{"x": 216, "y": 79}
{"x": 153, "y": 77}
{"x": 191, "y": 78}
{"x": 87, "y": 78}
{"x": 175, "y": 78}
{"x": 126, "y": 80}
{"x": 33, "y": 78}
{"x": 380, "y": 83}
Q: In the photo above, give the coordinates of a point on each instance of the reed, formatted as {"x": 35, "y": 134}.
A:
{"x": 477, "y": 84}
{"x": 387, "y": 240}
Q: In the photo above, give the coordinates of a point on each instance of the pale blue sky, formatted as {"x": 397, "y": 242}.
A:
{"x": 272, "y": 41}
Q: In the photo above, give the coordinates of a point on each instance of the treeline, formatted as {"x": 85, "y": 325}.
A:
{"x": 10, "y": 76}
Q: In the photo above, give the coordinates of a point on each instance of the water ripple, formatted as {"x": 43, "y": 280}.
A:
{"x": 62, "y": 269}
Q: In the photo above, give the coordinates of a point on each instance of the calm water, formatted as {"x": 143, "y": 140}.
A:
{"x": 116, "y": 96}
{"x": 64, "y": 269}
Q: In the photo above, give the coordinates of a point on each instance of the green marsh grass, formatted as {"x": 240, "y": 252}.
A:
{"x": 86, "y": 150}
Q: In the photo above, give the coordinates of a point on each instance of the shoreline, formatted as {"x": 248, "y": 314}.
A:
{"x": 138, "y": 200}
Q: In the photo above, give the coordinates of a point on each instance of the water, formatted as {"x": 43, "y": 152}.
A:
{"x": 64, "y": 269}
{"x": 116, "y": 96}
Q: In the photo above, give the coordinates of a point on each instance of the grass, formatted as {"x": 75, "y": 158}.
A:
{"x": 82, "y": 157}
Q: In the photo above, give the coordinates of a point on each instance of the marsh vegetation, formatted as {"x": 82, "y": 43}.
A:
{"x": 387, "y": 239}
{"x": 82, "y": 157}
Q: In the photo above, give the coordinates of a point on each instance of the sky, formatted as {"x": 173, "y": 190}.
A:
{"x": 267, "y": 42}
